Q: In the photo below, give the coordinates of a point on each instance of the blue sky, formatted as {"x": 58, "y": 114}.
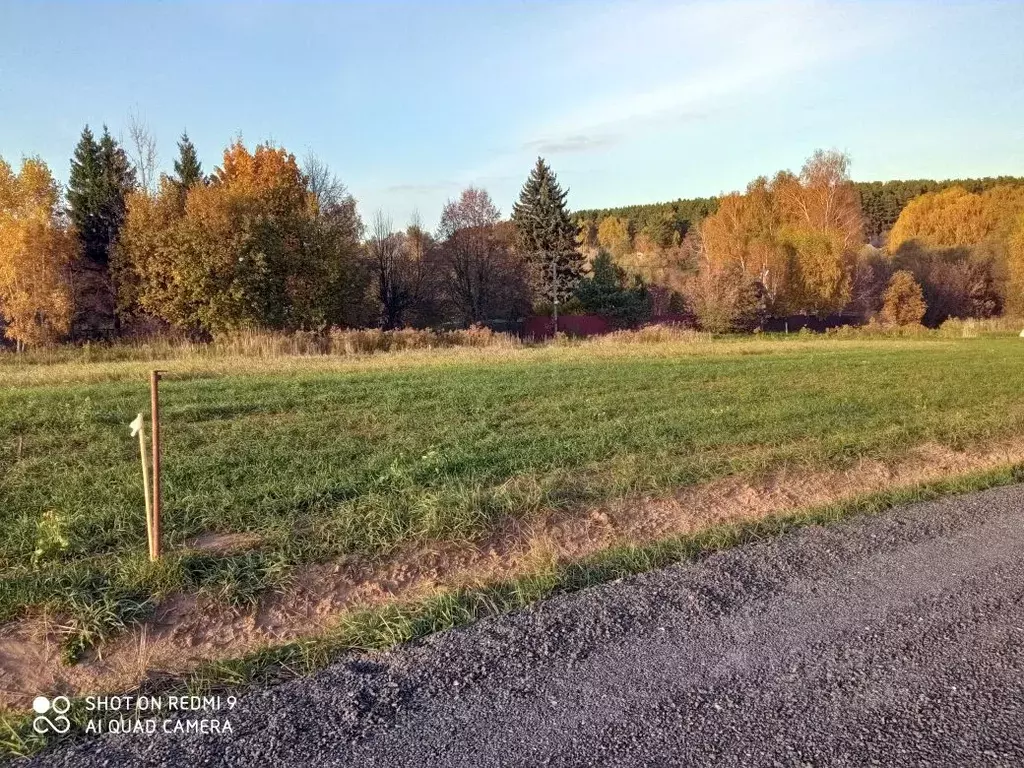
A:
{"x": 630, "y": 102}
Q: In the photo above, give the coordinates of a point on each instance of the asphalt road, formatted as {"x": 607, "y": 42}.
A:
{"x": 896, "y": 640}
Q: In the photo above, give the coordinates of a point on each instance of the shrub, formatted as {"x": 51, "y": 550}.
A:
{"x": 903, "y": 301}
{"x": 724, "y": 301}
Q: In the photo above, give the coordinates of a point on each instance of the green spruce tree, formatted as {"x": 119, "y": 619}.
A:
{"x": 101, "y": 178}
{"x": 187, "y": 169}
{"x": 84, "y": 196}
{"x": 608, "y": 292}
{"x": 118, "y": 182}
{"x": 547, "y": 235}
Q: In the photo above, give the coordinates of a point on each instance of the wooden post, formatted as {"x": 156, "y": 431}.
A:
{"x": 154, "y": 379}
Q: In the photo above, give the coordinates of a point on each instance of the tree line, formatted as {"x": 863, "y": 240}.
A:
{"x": 265, "y": 240}
{"x": 660, "y": 225}
{"x": 818, "y": 243}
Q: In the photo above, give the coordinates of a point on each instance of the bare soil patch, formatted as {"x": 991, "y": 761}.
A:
{"x": 187, "y": 630}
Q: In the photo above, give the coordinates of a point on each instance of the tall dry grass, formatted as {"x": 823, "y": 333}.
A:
{"x": 971, "y": 328}
{"x": 268, "y": 344}
{"x": 954, "y": 328}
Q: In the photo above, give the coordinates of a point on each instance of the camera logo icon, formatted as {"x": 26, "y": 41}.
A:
{"x": 59, "y": 707}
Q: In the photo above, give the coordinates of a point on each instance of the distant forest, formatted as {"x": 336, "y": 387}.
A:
{"x": 666, "y": 224}
{"x": 266, "y": 241}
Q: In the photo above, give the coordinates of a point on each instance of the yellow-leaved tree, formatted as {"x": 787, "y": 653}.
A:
{"x": 961, "y": 247}
{"x": 614, "y": 236}
{"x": 1015, "y": 269}
{"x": 947, "y": 219}
{"x": 36, "y": 251}
{"x": 796, "y": 236}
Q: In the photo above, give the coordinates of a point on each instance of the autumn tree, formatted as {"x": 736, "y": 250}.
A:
{"x": 947, "y": 219}
{"x": 36, "y": 252}
{"x": 955, "y": 218}
{"x": 146, "y": 261}
{"x": 822, "y": 230}
{"x": 957, "y": 243}
{"x": 613, "y": 234}
{"x": 822, "y": 198}
{"x": 587, "y": 237}
{"x": 399, "y": 271}
{"x": 820, "y": 270}
{"x": 244, "y": 242}
{"x": 482, "y": 275}
{"x": 547, "y": 236}
{"x": 245, "y": 251}
{"x": 903, "y": 302}
{"x": 796, "y": 236}
{"x": 742, "y": 239}
{"x": 1015, "y": 269}
{"x": 725, "y": 300}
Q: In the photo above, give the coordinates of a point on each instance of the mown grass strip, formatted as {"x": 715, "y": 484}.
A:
{"x": 390, "y": 625}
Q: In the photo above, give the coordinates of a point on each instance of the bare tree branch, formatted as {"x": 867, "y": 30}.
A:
{"x": 143, "y": 151}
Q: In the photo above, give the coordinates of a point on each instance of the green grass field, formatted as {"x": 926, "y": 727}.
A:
{"x": 323, "y": 456}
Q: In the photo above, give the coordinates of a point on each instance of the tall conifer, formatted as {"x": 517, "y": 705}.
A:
{"x": 101, "y": 178}
{"x": 547, "y": 235}
{"x": 188, "y": 171}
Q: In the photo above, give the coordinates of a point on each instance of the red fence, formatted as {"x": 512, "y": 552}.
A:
{"x": 542, "y": 327}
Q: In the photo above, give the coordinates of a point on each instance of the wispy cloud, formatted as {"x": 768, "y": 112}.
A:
{"x": 655, "y": 64}
{"x": 578, "y": 143}
{"x": 635, "y": 71}
{"x": 424, "y": 188}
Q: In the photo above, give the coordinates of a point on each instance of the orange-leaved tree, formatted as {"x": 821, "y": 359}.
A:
{"x": 36, "y": 251}
{"x": 947, "y": 219}
{"x": 903, "y": 301}
{"x": 796, "y": 235}
{"x": 241, "y": 251}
